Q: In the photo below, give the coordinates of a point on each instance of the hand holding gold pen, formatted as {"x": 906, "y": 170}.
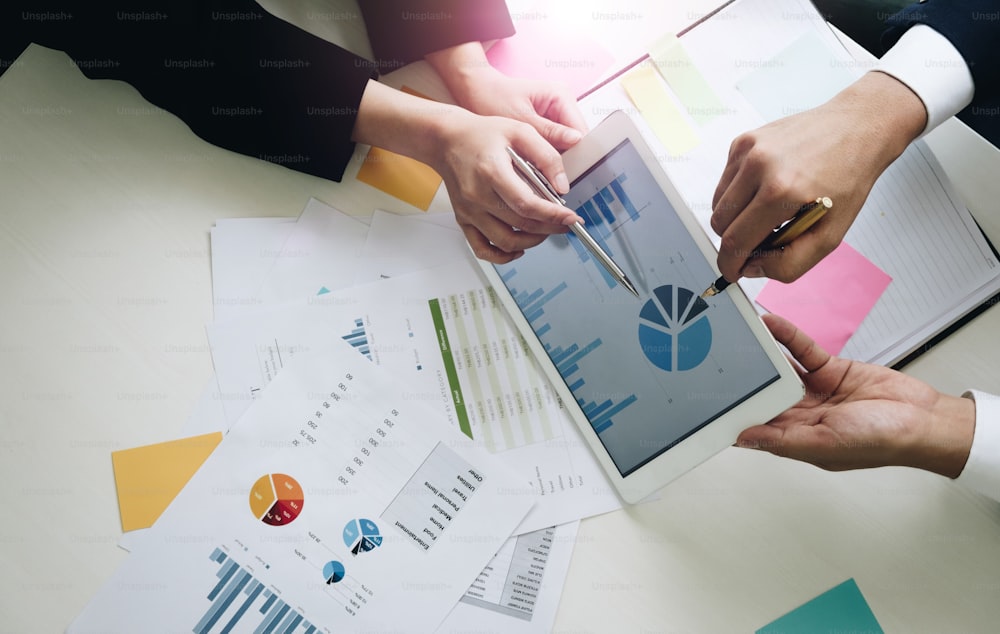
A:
{"x": 807, "y": 215}
{"x": 544, "y": 188}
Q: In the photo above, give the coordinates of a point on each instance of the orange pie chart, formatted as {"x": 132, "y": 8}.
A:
{"x": 276, "y": 499}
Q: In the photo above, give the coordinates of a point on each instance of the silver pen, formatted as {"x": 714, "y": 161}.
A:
{"x": 544, "y": 188}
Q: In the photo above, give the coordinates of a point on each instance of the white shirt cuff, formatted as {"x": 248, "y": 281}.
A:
{"x": 932, "y": 67}
{"x": 982, "y": 470}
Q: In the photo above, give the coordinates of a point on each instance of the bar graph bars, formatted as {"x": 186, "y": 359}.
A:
{"x": 358, "y": 338}
{"x": 566, "y": 359}
{"x": 602, "y": 213}
{"x": 234, "y": 600}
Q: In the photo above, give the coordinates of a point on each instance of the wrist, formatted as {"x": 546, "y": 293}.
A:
{"x": 462, "y": 68}
{"x": 405, "y": 124}
{"x": 946, "y": 441}
{"x": 886, "y": 113}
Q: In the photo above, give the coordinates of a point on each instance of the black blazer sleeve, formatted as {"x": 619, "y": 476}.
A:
{"x": 402, "y": 31}
{"x": 239, "y": 77}
{"x": 973, "y": 27}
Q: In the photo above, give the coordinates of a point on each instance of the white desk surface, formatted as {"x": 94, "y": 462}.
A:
{"x": 104, "y": 292}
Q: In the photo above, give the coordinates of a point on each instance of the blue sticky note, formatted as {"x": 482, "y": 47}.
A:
{"x": 840, "y": 609}
{"x": 791, "y": 82}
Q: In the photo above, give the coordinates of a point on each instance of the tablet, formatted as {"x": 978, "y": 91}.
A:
{"x": 656, "y": 384}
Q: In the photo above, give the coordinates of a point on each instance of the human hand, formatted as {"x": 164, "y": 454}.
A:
{"x": 499, "y": 213}
{"x": 546, "y": 106}
{"x": 838, "y": 150}
{"x": 857, "y": 415}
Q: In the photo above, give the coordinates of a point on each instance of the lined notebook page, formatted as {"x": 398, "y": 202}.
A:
{"x": 913, "y": 226}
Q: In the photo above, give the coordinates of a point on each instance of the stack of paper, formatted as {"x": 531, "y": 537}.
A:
{"x": 392, "y": 458}
{"x": 354, "y": 477}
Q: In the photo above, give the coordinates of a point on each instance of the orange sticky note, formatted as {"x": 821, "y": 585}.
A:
{"x": 148, "y": 478}
{"x": 400, "y": 176}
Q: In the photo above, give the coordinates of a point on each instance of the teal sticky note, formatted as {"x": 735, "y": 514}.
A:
{"x": 840, "y": 609}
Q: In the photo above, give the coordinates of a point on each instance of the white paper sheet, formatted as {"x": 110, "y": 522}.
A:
{"x": 320, "y": 255}
{"x": 397, "y": 245}
{"x": 518, "y": 592}
{"x": 348, "y": 503}
{"x": 243, "y": 252}
{"x": 484, "y": 383}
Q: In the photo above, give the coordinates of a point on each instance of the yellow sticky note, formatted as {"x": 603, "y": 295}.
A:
{"x": 400, "y": 176}
{"x": 649, "y": 94}
{"x": 148, "y": 478}
{"x": 684, "y": 78}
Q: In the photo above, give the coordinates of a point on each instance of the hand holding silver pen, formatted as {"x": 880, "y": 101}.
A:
{"x": 545, "y": 189}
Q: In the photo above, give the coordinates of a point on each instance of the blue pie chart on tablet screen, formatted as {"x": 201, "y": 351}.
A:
{"x": 674, "y": 331}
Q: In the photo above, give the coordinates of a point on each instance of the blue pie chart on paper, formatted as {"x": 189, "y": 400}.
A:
{"x": 674, "y": 331}
{"x": 333, "y": 571}
{"x": 361, "y": 536}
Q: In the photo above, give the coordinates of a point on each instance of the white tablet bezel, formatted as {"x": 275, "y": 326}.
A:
{"x": 712, "y": 437}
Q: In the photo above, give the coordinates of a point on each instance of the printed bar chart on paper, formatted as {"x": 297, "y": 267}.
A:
{"x": 447, "y": 335}
{"x": 313, "y": 507}
{"x": 358, "y": 338}
{"x": 240, "y": 599}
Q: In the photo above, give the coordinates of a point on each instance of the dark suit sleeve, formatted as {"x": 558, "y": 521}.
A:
{"x": 239, "y": 77}
{"x": 403, "y": 31}
{"x": 973, "y": 27}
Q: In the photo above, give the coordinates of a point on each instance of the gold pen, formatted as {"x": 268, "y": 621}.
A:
{"x": 805, "y": 217}
{"x": 544, "y": 188}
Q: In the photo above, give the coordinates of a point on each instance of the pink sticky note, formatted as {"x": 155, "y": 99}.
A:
{"x": 830, "y": 301}
{"x": 542, "y": 49}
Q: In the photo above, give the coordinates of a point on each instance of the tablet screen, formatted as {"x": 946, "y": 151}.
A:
{"x": 647, "y": 372}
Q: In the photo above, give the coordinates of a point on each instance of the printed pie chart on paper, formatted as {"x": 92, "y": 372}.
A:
{"x": 276, "y": 499}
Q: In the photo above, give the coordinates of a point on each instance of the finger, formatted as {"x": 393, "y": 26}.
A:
{"x": 741, "y": 239}
{"x": 502, "y": 235}
{"x": 563, "y": 109}
{"x": 482, "y": 248}
{"x": 736, "y": 187}
{"x": 502, "y": 211}
{"x": 537, "y": 150}
{"x": 793, "y": 260}
{"x": 803, "y": 349}
{"x": 519, "y": 198}
{"x": 560, "y": 136}
{"x": 761, "y": 437}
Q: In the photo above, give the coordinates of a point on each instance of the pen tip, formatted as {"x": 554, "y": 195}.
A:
{"x": 627, "y": 283}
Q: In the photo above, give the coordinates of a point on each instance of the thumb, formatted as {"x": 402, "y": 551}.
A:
{"x": 560, "y": 136}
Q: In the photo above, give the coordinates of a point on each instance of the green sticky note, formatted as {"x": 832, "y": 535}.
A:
{"x": 840, "y": 609}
